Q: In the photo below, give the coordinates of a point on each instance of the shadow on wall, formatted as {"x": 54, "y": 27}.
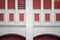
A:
{"x": 12, "y": 37}
{"x": 47, "y": 37}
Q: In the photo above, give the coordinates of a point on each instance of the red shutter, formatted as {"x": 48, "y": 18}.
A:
{"x": 47, "y": 17}
{"x": 47, "y": 4}
{"x": 2, "y": 4}
{"x": 36, "y": 17}
{"x": 11, "y": 17}
{"x": 11, "y": 4}
{"x": 58, "y": 17}
{"x": 57, "y": 4}
{"x": 1, "y": 17}
{"x": 36, "y": 4}
{"x": 21, "y": 4}
{"x": 21, "y": 17}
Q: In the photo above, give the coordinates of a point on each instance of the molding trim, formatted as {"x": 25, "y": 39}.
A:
{"x": 12, "y": 25}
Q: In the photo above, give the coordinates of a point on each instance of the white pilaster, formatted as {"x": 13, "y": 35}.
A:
{"x": 16, "y": 9}
{"x": 52, "y": 14}
{"x": 29, "y": 20}
{"x": 42, "y": 13}
{"x": 6, "y": 11}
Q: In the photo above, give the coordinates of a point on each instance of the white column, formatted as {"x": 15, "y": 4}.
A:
{"x": 6, "y": 11}
{"x": 16, "y": 13}
{"x": 42, "y": 12}
{"x": 52, "y": 14}
{"x": 29, "y": 20}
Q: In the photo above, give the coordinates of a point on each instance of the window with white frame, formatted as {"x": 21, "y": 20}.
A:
{"x": 38, "y": 8}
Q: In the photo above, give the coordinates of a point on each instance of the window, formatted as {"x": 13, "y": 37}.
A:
{"x": 11, "y": 17}
{"x": 57, "y": 4}
{"x": 47, "y": 17}
{"x": 1, "y": 17}
{"x": 21, "y": 4}
{"x": 21, "y": 18}
{"x": 58, "y": 17}
{"x": 11, "y": 4}
{"x": 36, "y": 4}
{"x": 47, "y": 4}
{"x": 2, "y": 4}
{"x": 36, "y": 17}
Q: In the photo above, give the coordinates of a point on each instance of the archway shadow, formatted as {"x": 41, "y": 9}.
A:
{"x": 12, "y": 37}
{"x": 47, "y": 37}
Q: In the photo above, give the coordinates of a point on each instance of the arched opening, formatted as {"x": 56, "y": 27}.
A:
{"x": 47, "y": 37}
{"x": 12, "y": 37}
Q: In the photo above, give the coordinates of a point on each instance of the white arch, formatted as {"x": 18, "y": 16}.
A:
{"x": 12, "y": 30}
{"x": 46, "y": 30}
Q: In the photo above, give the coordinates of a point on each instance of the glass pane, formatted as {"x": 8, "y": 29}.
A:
{"x": 36, "y": 17}
{"x": 21, "y": 17}
{"x": 1, "y": 17}
{"x": 11, "y": 4}
{"x": 2, "y": 4}
{"x": 36, "y": 4}
{"x": 57, "y": 4}
{"x": 47, "y": 17}
{"x": 11, "y": 17}
{"x": 58, "y": 17}
{"x": 47, "y": 4}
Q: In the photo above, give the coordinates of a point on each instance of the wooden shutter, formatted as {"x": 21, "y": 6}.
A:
{"x": 21, "y": 4}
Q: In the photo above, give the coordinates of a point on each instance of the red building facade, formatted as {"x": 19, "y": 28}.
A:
{"x": 33, "y": 15}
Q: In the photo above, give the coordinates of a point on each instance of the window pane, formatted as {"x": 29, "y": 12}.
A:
{"x": 2, "y": 4}
{"x": 47, "y": 4}
{"x": 47, "y": 17}
{"x": 36, "y": 4}
{"x": 57, "y": 4}
{"x": 58, "y": 17}
{"x": 11, "y": 4}
{"x": 21, "y": 17}
{"x": 36, "y": 17}
{"x": 21, "y": 4}
{"x": 11, "y": 17}
{"x": 1, "y": 17}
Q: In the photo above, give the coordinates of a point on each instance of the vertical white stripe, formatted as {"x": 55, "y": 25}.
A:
{"x": 29, "y": 20}
{"x": 42, "y": 14}
{"x": 6, "y": 11}
{"x": 52, "y": 14}
{"x": 16, "y": 13}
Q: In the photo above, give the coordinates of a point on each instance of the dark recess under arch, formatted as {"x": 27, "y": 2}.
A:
{"x": 12, "y": 37}
{"x": 47, "y": 37}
